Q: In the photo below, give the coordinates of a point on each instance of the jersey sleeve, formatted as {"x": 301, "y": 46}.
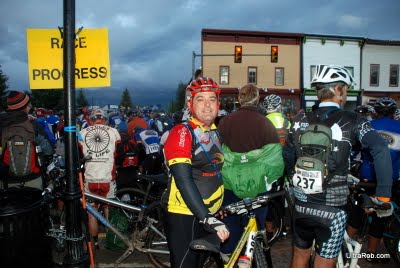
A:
{"x": 178, "y": 146}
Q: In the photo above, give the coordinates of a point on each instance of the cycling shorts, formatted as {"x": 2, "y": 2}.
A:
{"x": 104, "y": 189}
{"x": 323, "y": 223}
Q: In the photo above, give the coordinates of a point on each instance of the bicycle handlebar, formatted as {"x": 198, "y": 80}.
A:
{"x": 248, "y": 204}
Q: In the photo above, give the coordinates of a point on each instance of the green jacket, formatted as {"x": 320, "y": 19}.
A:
{"x": 249, "y": 174}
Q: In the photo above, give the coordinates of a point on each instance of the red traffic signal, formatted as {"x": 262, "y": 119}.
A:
{"x": 274, "y": 53}
{"x": 238, "y": 54}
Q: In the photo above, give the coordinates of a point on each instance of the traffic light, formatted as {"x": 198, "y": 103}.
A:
{"x": 238, "y": 54}
{"x": 274, "y": 53}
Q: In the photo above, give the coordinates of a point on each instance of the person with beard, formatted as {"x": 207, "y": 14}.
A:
{"x": 16, "y": 121}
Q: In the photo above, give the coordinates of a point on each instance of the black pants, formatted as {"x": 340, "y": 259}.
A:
{"x": 181, "y": 230}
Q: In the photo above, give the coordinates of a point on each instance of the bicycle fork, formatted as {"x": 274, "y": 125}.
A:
{"x": 354, "y": 249}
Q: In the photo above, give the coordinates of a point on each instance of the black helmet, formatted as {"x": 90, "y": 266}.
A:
{"x": 361, "y": 109}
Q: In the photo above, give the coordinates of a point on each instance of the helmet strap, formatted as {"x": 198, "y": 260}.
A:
{"x": 333, "y": 90}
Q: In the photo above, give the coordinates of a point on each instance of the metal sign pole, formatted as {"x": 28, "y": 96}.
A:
{"x": 75, "y": 257}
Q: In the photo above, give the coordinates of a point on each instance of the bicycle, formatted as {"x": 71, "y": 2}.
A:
{"x": 146, "y": 232}
{"x": 351, "y": 250}
{"x": 255, "y": 239}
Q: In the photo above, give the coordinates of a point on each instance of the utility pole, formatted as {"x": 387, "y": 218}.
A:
{"x": 76, "y": 257}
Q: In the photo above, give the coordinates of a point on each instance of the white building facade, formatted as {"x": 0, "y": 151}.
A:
{"x": 380, "y": 70}
{"x": 336, "y": 50}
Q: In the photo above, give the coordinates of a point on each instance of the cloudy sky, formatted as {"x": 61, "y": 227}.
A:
{"x": 151, "y": 42}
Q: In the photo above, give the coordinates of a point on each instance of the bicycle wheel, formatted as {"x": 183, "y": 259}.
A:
{"x": 259, "y": 254}
{"x": 391, "y": 238}
{"x": 155, "y": 239}
{"x": 276, "y": 216}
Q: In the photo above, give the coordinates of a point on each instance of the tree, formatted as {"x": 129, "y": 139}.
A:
{"x": 172, "y": 106}
{"x": 180, "y": 96}
{"x": 3, "y": 90}
{"x": 81, "y": 100}
{"x": 126, "y": 101}
{"x": 48, "y": 98}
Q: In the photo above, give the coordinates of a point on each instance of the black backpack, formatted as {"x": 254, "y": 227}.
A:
{"x": 127, "y": 152}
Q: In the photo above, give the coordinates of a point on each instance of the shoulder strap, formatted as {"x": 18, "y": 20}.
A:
{"x": 194, "y": 139}
{"x": 322, "y": 118}
{"x": 189, "y": 127}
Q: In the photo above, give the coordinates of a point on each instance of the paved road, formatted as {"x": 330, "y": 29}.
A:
{"x": 281, "y": 256}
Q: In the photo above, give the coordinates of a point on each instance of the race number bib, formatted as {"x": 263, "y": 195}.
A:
{"x": 310, "y": 182}
{"x": 154, "y": 148}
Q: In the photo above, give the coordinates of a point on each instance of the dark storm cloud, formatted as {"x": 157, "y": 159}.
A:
{"x": 151, "y": 42}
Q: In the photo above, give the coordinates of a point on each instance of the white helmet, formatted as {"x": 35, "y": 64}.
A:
{"x": 272, "y": 103}
{"x": 222, "y": 113}
{"x": 325, "y": 74}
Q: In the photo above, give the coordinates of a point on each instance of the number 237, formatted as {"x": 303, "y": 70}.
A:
{"x": 305, "y": 182}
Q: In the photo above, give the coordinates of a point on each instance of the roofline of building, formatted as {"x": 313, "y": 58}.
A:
{"x": 301, "y": 35}
{"x": 335, "y": 37}
{"x": 382, "y": 42}
{"x": 249, "y": 33}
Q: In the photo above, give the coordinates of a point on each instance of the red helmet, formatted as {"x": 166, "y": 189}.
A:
{"x": 40, "y": 112}
{"x": 202, "y": 84}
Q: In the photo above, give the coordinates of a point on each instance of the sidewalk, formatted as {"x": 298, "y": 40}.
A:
{"x": 281, "y": 256}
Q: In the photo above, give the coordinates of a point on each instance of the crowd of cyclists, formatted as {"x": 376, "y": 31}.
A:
{"x": 216, "y": 158}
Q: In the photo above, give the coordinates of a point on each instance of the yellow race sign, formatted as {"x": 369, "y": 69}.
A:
{"x": 45, "y": 58}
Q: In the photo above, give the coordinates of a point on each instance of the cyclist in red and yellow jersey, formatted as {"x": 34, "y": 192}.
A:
{"x": 195, "y": 191}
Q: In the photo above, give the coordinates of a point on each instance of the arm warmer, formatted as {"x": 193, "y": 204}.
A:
{"x": 382, "y": 162}
{"x": 184, "y": 182}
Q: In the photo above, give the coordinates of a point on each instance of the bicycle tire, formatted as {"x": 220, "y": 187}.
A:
{"x": 153, "y": 240}
{"x": 259, "y": 254}
{"x": 277, "y": 217}
{"x": 391, "y": 238}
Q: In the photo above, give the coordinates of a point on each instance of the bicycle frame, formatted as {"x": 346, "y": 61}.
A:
{"x": 247, "y": 238}
{"x": 130, "y": 246}
{"x": 250, "y": 231}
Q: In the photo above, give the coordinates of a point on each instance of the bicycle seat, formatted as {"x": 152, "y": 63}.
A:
{"x": 159, "y": 179}
{"x": 210, "y": 242}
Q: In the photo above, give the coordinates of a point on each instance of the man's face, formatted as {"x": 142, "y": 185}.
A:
{"x": 205, "y": 107}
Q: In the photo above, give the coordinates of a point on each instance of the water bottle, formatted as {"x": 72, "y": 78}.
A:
{"x": 244, "y": 262}
{"x": 39, "y": 155}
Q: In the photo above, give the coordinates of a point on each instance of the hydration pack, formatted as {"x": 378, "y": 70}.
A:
{"x": 130, "y": 154}
{"x": 315, "y": 147}
{"x": 20, "y": 152}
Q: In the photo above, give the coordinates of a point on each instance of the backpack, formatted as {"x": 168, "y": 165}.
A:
{"x": 128, "y": 156}
{"x": 20, "y": 155}
{"x": 315, "y": 147}
{"x": 283, "y": 134}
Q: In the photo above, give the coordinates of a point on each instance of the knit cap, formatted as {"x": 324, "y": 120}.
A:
{"x": 17, "y": 101}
